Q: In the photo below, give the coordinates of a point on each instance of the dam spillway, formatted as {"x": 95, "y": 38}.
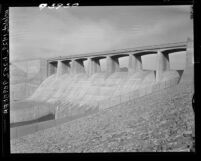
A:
{"x": 72, "y": 89}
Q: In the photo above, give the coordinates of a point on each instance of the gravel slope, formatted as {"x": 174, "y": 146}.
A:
{"x": 162, "y": 121}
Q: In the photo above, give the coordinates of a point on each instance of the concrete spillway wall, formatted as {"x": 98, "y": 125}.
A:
{"x": 71, "y": 90}
{"x": 57, "y": 95}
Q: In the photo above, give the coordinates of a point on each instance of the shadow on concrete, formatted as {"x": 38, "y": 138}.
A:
{"x": 41, "y": 119}
{"x": 180, "y": 74}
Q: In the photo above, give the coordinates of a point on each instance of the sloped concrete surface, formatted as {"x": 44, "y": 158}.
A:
{"x": 76, "y": 91}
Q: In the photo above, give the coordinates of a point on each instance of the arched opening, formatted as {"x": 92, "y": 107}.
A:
{"x": 149, "y": 62}
{"x": 123, "y": 63}
{"x": 177, "y": 60}
{"x": 103, "y": 63}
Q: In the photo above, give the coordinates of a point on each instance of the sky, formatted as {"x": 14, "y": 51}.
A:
{"x": 36, "y": 33}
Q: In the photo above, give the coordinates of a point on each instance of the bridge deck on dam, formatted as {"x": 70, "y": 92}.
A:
{"x": 121, "y": 51}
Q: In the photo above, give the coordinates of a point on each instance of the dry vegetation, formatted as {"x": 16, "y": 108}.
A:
{"x": 162, "y": 121}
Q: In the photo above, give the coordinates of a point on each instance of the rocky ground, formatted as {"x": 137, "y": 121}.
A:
{"x": 162, "y": 121}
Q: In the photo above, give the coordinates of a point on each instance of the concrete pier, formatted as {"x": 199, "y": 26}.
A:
{"x": 188, "y": 73}
{"x": 112, "y": 65}
{"x": 162, "y": 64}
{"x": 77, "y": 66}
{"x": 60, "y": 69}
{"x": 135, "y": 63}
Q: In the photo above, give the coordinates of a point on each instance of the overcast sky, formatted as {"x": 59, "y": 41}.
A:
{"x": 49, "y": 32}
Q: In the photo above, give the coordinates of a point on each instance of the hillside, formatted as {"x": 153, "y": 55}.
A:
{"x": 162, "y": 121}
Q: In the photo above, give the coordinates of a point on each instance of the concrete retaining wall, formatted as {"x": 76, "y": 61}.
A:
{"x": 30, "y": 112}
{"x": 20, "y": 131}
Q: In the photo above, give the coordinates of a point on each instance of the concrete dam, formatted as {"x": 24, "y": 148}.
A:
{"x": 72, "y": 89}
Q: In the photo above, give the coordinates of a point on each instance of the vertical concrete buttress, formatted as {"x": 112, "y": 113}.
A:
{"x": 59, "y": 68}
{"x": 188, "y": 73}
{"x": 135, "y": 63}
{"x": 93, "y": 66}
{"x": 189, "y": 54}
{"x": 112, "y": 65}
{"x": 162, "y": 64}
